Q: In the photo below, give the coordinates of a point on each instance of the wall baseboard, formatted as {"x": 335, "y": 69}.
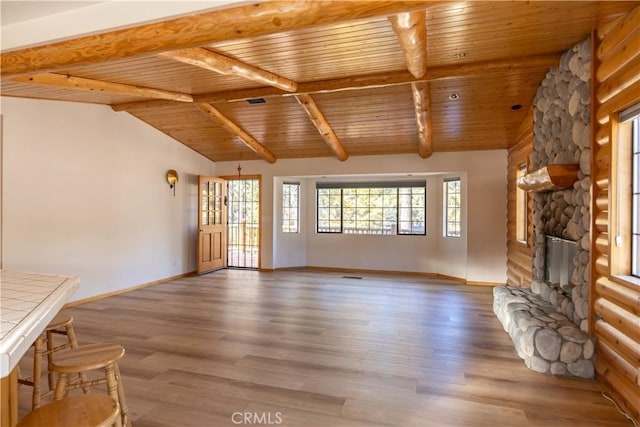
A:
{"x": 125, "y": 290}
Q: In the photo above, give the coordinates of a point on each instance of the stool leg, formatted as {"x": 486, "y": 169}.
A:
{"x": 50, "y": 345}
{"x": 118, "y": 420}
{"x": 37, "y": 371}
{"x": 61, "y": 387}
{"x": 112, "y": 390}
{"x": 71, "y": 334}
{"x": 124, "y": 410}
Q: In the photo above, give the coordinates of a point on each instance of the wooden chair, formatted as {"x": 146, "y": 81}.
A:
{"x": 86, "y": 410}
{"x": 62, "y": 324}
{"x": 87, "y": 358}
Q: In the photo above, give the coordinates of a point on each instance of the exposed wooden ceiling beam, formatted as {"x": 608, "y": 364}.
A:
{"x": 366, "y": 81}
{"x": 422, "y": 107}
{"x": 369, "y": 81}
{"x": 411, "y": 29}
{"x": 81, "y": 83}
{"x": 323, "y": 126}
{"x": 212, "y": 61}
{"x": 219, "y": 118}
{"x": 195, "y": 30}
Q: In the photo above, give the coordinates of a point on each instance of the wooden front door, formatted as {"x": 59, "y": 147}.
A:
{"x": 212, "y": 224}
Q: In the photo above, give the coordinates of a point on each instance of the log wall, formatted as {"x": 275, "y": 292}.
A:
{"x": 519, "y": 254}
{"x": 615, "y": 301}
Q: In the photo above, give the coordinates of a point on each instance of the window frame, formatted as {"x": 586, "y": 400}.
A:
{"x": 446, "y": 232}
{"x": 625, "y": 129}
{"x": 635, "y": 196}
{"x": 290, "y": 209}
{"x": 331, "y": 214}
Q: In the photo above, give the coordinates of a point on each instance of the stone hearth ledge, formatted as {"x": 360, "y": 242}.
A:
{"x": 544, "y": 338}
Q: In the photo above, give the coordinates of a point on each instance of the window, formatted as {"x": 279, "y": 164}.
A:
{"x": 521, "y": 207}
{"x": 625, "y": 194}
{"x": 452, "y": 207}
{"x": 291, "y": 207}
{"x": 371, "y": 207}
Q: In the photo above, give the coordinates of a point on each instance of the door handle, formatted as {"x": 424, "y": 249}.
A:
{"x": 200, "y": 230}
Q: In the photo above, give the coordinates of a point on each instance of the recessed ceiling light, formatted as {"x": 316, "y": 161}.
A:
{"x": 454, "y": 96}
{"x": 516, "y": 107}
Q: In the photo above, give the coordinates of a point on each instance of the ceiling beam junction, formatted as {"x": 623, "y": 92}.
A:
{"x": 204, "y": 58}
{"x": 217, "y": 117}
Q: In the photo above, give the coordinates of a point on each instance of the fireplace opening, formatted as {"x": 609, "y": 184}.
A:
{"x": 559, "y": 265}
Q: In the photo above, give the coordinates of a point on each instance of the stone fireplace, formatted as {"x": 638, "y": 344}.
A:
{"x": 548, "y": 321}
{"x": 562, "y": 135}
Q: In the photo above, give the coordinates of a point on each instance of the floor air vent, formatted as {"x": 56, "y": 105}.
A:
{"x": 351, "y": 277}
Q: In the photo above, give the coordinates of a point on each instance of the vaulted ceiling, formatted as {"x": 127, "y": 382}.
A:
{"x": 294, "y": 79}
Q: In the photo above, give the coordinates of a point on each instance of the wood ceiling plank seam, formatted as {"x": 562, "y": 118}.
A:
{"x": 302, "y": 35}
{"x": 491, "y": 11}
{"x": 256, "y": 49}
{"x": 349, "y": 61}
{"x": 311, "y": 58}
{"x": 398, "y": 91}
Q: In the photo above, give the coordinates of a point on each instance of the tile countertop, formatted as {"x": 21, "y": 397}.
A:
{"x": 28, "y": 302}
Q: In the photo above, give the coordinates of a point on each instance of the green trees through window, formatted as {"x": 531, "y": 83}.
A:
{"x": 291, "y": 207}
{"x": 371, "y": 208}
{"x": 452, "y": 207}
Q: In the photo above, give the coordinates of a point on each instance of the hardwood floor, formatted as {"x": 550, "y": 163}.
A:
{"x": 306, "y": 348}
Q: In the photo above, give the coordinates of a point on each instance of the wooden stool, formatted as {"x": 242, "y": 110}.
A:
{"x": 87, "y": 410}
{"x": 87, "y": 358}
{"x": 62, "y": 324}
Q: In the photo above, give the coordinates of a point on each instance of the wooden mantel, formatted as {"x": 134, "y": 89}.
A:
{"x": 550, "y": 177}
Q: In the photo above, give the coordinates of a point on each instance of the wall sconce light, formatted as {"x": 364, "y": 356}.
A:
{"x": 172, "y": 179}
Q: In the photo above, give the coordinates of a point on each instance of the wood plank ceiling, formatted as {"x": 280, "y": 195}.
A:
{"x": 338, "y": 79}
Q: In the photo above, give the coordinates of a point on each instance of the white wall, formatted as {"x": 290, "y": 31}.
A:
{"x": 290, "y": 249}
{"x": 478, "y": 256}
{"x": 392, "y": 253}
{"x": 85, "y": 194}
